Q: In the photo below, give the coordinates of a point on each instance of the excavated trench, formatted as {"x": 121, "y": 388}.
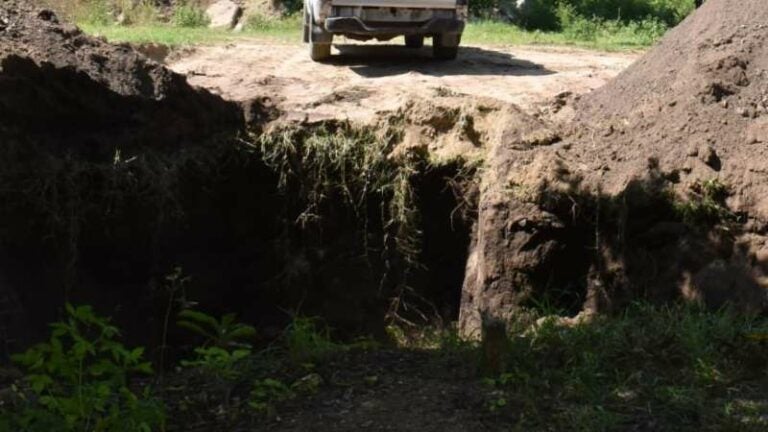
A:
{"x": 233, "y": 225}
{"x": 128, "y": 189}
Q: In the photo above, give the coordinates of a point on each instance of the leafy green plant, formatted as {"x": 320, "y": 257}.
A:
{"x": 225, "y": 343}
{"x": 224, "y": 332}
{"x": 79, "y": 380}
{"x": 220, "y": 362}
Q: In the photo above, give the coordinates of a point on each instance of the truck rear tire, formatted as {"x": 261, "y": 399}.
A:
{"x": 446, "y": 46}
{"x": 414, "y": 41}
{"x": 319, "y": 52}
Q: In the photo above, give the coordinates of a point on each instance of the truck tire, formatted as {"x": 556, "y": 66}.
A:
{"x": 446, "y": 46}
{"x": 414, "y": 41}
{"x": 319, "y": 52}
{"x": 307, "y": 27}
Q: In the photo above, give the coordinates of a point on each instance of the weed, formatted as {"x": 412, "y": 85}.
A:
{"x": 268, "y": 392}
{"x": 705, "y": 205}
{"x": 79, "y": 380}
{"x": 308, "y": 340}
{"x": 175, "y": 286}
{"x": 224, "y": 332}
{"x": 221, "y": 363}
{"x": 225, "y": 346}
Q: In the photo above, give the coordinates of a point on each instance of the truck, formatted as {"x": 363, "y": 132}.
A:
{"x": 441, "y": 20}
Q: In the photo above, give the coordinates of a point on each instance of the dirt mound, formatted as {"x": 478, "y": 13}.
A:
{"x": 54, "y": 79}
{"x": 658, "y": 189}
{"x": 698, "y": 103}
{"x": 100, "y": 128}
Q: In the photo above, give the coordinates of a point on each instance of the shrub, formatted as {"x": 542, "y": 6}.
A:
{"x": 141, "y": 13}
{"x": 576, "y": 26}
{"x": 94, "y": 12}
{"x": 79, "y": 381}
{"x": 308, "y": 340}
{"x": 188, "y": 15}
{"x": 545, "y": 15}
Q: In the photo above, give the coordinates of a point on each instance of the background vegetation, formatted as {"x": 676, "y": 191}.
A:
{"x": 602, "y": 24}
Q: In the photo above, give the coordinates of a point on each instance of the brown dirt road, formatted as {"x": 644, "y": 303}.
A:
{"x": 364, "y": 80}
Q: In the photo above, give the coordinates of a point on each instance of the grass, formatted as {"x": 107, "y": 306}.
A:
{"x": 591, "y": 35}
{"x": 674, "y": 367}
{"x": 660, "y": 368}
{"x": 162, "y": 34}
{"x": 605, "y": 36}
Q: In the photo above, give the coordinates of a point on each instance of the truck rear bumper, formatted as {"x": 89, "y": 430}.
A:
{"x": 354, "y": 25}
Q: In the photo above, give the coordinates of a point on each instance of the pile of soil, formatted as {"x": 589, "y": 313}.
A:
{"x": 656, "y": 190}
{"x": 698, "y": 103}
{"x": 59, "y": 83}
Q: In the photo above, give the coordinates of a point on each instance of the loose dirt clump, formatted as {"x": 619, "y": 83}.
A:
{"x": 657, "y": 189}
{"x": 452, "y": 126}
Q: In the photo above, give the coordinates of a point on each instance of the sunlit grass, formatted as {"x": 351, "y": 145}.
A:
{"x": 600, "y": 37}
{"x": 604, "y": 37}
{"x": 162, "y": 34}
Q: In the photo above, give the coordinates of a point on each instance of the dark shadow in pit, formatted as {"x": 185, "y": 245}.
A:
{"x": 375, "y": 61}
